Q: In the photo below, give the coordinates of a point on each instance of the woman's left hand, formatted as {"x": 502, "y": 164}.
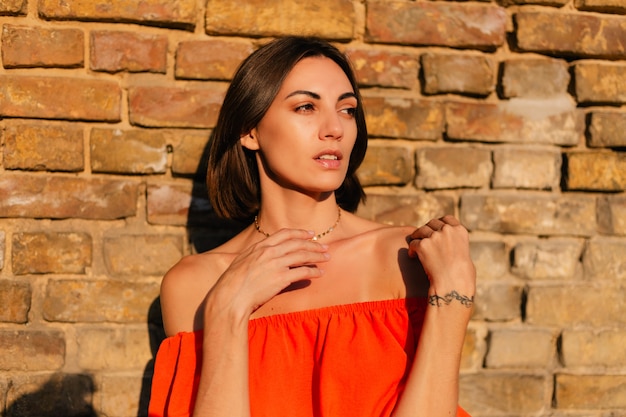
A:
{"x": 442, "y": 246}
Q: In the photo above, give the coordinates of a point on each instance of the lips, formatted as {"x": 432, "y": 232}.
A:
{"x": 329, "y": 155}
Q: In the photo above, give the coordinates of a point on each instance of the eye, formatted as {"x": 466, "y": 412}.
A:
{"x": 305, "y": 108}
{"x": 350, "y": 111}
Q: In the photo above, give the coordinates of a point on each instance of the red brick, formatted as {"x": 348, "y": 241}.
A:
{"x": 383, "y": 68}
{"x": 175, "y": 106}
{"x": 458, "y": 73}
{"x": 436, "y": 23}
{"x": 571, "y": 33}
{"x": 44, "y": 147}
{"x": 177, "y": 14}
{"x": 96, "y": 301}
{"x": 402, "y": 210}
{"x": 13, "y": 7}
{"x": 602, "y": 171}
{"x": 128, "y": 152}
{"x": 548, "y": 121}
{"x": 210, "y": 60}
{"x": 403, "y": 118}
{"x": 31, "y": 350}
{"x": 330, "y": 19}
{"x": 600, "y": 82}
{"x": 127, "y": 51}
{"x": 532, "y": 213}
{"x": 169, "y": 203}
{"x": 48, "y": 252}
{"x": 25, "y": 47}
{"x": 526, "y": 167}
{"x": 603, "y": 6}
{"x": 534, "y": 77}
{"x": 607, "y": 129}
{"x": 15, "y": 299}
{"x": 60, "y": 98}
{"x": 66, "y": 197}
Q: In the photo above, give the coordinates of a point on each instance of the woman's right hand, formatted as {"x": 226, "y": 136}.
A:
{"x": 265, "y": 269}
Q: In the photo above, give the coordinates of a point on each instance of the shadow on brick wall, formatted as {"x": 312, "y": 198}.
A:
{"x": 67, "y": 395}
{"x": 156, "y": 334}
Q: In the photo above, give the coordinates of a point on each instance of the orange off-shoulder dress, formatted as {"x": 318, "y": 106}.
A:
{"x": 340, "y": 361}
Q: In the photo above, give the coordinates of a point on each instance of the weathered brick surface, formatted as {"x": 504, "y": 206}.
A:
{"x": 603, "y": 171}
{"x": 137, "y": 255}
{"x": 447, "y": 24}
{"x": 64, "y": 197}
{"x": 47, "y": 252}
{"x": 189, "y": 153}
{"x": 152, "y": 12}
{"x": 458, "y": 73}
{"x": 545, "y": 120}
{"x": 491, "y": 260}
{"x": 548, "y": 259}
{"x": 503, "y": 393}
{"x": 387, "y": 165}
{"x": 31, "y": 350}
{"x": 576, "y": 305}
{"x": 604, "y": 6}
{"x": 96, "y": 301}
{"x": 584, "y": 35}
{"x": 210, "y": 60}
{"x": 498, "y": 301}
{"x": 127, "y": 51}
{"x": 175, "y": 106}
{"x": 44, "y": 147}
{"x": 534, "y": 77}
{"x": 506, "y": 113}
{"x": 533, "y": 213}
{"x": 612, "y": 215}
{"x": 15, "y": 299}
{"x": 25, "y": 47}
{"x": 590, "y": 391}
{"x": 453, "y": 167}
{"x": 406, "y": 209}
{"x": 58, "y": 394}
{"x": 128, "y": 152}
{"x": 587, "y": 348}
{"x": 113, "y": 349}
{"x": 601, "y": 82}
{"x": 332, "y": 19}
{"x": 607, "y": 129}
{"x": 169, "y": 203}
{"x": 521, "y": 348}
{"x": 529, "y": 168}
{"x": 403, "y": 118}
{"x": 60, "y": 98}
{"x": 604, "y": 259}
{"x": 384, "y": 68}
{"x": 13, "y": 7}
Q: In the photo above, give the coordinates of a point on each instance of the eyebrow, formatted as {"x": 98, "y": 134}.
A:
{"x": 317, "y": 96}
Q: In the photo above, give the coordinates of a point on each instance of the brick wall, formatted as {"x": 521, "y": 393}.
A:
{"x": 510, "y": 114}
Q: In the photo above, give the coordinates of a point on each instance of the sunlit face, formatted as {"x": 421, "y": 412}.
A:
{"x": 305, "y": 139}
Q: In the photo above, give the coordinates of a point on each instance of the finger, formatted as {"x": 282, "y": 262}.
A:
{"x": 435, "y": 224}
{"x": 451, "y": 220}
{"x": 422, "y": 232}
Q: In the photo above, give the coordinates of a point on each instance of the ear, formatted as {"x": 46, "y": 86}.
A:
{"x": 249, "y": 141}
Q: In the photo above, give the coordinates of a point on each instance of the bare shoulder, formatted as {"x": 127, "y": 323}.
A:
{"x": 184, "y": 288}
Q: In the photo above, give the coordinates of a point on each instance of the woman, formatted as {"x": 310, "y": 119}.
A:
{"x": 310, "y": 310}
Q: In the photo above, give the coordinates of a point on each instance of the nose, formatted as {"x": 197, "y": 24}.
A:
{"x": 331, "y": 126}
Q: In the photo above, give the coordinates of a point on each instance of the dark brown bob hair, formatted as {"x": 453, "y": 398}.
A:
{"x": 232, "y": 175}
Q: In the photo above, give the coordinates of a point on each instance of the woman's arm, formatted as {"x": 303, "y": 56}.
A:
{"x": 252, "y": 279}
{"x": 432, "y": 387}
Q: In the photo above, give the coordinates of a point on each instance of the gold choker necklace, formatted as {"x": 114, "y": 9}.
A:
{"x": 316, "y": 237}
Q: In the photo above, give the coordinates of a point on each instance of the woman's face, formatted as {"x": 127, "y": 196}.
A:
{"x": 305, "y": 139}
